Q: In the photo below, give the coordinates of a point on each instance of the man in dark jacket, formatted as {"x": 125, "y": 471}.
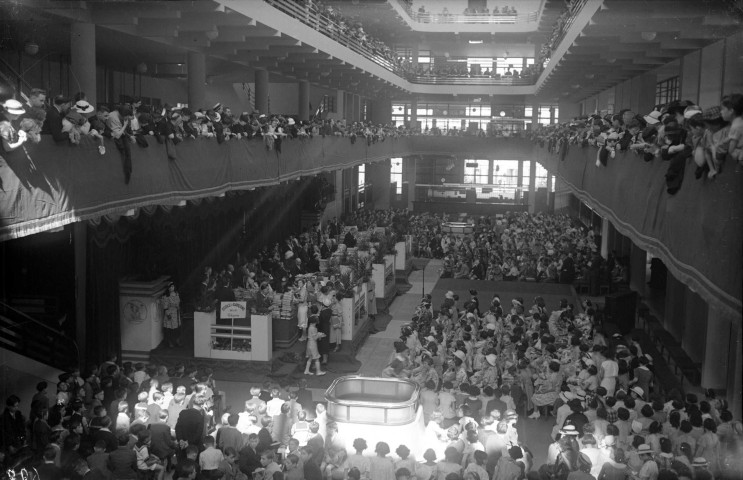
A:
{"x": 123, "y": 461}
{"x": 162, "y": 444}
{"x": 14, "y": 425}
{"x": 249, "y": 458}
{"x": 54, "y": 115}
{"x": 190, "y": 425}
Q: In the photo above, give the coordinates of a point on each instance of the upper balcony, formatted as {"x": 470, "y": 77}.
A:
{"x": 438, "y": 19}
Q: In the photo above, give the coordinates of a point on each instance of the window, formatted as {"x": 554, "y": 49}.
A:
{"x": 362, "y": 176}
{"x": 396, "y": 174}
{"x": 667, "y": 91}
{"x": 545, "y": 116}
{"x": 480, "y": 64}
{"x": 477, "y": 171}
{"x": 424, "y": 57}
{"x": 503, "y": 65}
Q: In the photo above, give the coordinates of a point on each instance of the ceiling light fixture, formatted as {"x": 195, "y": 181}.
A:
{"x": 475, "y": 42}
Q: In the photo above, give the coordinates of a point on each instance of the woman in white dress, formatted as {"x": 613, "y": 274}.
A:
{"x": 608, "y": 372}
{"x": 300, "y": 299}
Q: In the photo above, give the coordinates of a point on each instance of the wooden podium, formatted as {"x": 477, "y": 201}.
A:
{"x": 247, "y": 339}
{"x": 140, "y": 316}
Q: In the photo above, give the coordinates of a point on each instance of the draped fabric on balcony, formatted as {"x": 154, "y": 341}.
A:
{"x": 48, "y": 185}
{"x": 696, "y": 232}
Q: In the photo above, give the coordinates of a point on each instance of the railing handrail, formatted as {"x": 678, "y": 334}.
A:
{"x": 491, "y": 18}
{"x": 4, "y": 307}
{"x": 467, "y": 80}
{"x": 18, "y": 77}
{"x": 317, "y": 20}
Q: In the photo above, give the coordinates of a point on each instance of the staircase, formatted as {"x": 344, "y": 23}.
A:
{"x": 24, "y": 335}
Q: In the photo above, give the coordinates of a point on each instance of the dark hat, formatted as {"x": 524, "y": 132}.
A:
{"x": 712, "y": 113}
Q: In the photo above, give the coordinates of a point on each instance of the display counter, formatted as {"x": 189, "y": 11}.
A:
{"x": 247, "y": 339}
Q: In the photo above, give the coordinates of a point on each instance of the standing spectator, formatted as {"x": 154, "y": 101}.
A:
{"x": 123, "y": 460}
{"x": 13, "y": 425}
{"x": 190, "y": 425}
{"x": 12, "y": 138}
{"x": 54, "y": 115}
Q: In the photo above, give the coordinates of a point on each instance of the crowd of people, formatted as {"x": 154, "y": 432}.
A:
{"x": 478, "y": 364}
{"x": 517, "y": 246}
{"x": 674, "y": 133}
{"x": 572, "y": 7}
{"x": 425, "y": 16}
{"x": 460, "y": 70}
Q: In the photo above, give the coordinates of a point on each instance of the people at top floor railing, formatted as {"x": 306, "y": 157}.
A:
{"x": 675, "y": 132}
{"x": 504, "y": 14}
{"x": 460, "y": 70}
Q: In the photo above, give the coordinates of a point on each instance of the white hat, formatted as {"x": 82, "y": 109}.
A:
{"x": 644, "y": 449}
{"x": 14, "y": 107}
{"x": 566, "y": 396}
{"x": 652, "y": 118}
{"x": 636, "y": 427}
{"x": 290, "y": 121}
{"x": 638, "y": 390}
{"x": 460, "y": 355}
{"x": 83, "y": 107}
{"x": 449, "y": 294}
{"x": 569, "y": 430}
{"x": 490, "y": 358}
{"x": 699, "y": 462}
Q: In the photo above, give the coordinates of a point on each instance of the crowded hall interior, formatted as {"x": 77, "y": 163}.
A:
{"x": 371, "y": 239}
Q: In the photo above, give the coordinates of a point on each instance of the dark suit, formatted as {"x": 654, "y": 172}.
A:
{"x": 162, "y": 441}
{"x": 49, "y": 471}
{"x": 190, "y": 426}
{"x": 123, "y": 463}
{"x": 53, "y": 125}
{"x": 248, "y": 460}
{"x": 112, "y": 443}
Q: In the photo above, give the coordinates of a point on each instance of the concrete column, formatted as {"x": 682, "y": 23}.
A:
{"x": 719, "y": 362}
{"x": 519, "y": 181}
{"x": 410, "y": 164}
{"x": 532, "y": 185}
{"x": 196, "y": 64}
{"x": 534, "y": 115}
{"x": 82, "y": 59}
{"x": 552, "y": 116}
{"x": 549, "y": 182}
{"x": 694, "y": 315}
{"x": 356, "y": 107}
{"x": 637, "y": 269}
{"x": 605, "y": 224}
{"x": 304, "y": 99}
{"x": 381, "y": 184}
{"x": 80, "y": 246}
{"x": 647, "y": 93}
{"x": 734, "y": 383}
{"x": 340, "y": 103}
{"x": 381, "y": 111}
{"x": 414, "y": 56}
{"x": 674, "y": 312}
{"x": 413, "y": 113}
{"x": 261, "y": 91}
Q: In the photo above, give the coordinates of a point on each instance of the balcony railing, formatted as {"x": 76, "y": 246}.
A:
{"x": 469, "y": 18}
{"x": 471, "y": 80}
{"x": 311, "y": 16}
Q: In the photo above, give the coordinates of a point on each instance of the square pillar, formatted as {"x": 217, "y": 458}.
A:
{"x": 196, "y": 65}
{"x": 82, "y": 58}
